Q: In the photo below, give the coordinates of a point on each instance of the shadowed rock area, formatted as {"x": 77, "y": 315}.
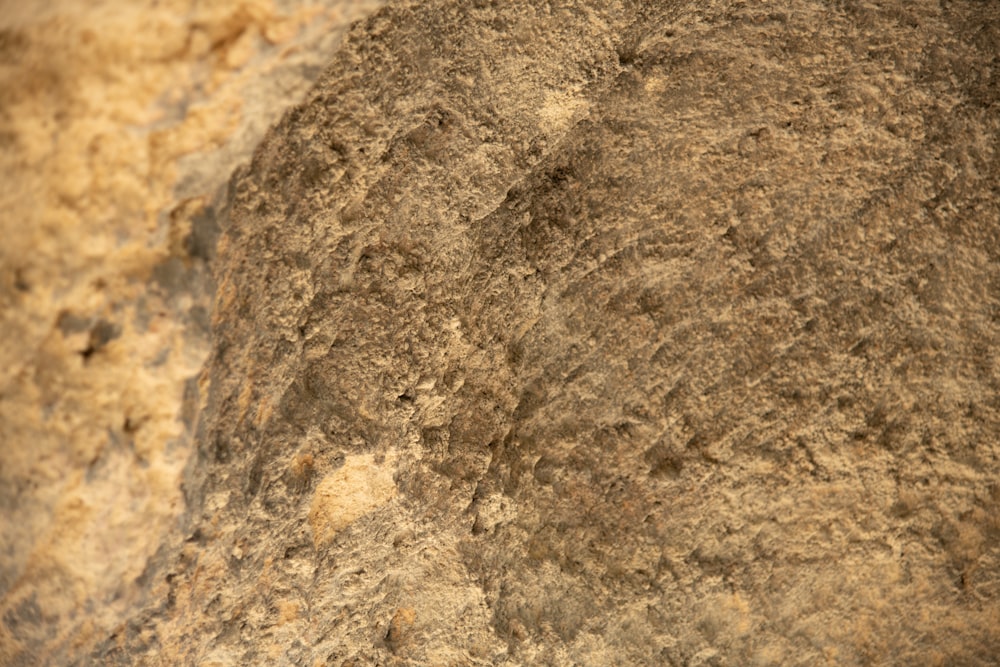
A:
{"x": 605, "y": 333}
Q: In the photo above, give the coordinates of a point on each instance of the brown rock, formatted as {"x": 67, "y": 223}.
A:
{"x": 604, "y": 333}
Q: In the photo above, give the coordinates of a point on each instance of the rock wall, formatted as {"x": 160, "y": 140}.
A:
{"x": 587, "y": 333}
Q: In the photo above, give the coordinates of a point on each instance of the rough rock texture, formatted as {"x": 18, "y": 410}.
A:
{"x": 605, "y": 333}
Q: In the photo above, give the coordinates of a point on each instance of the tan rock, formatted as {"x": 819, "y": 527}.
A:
{"x": 556, "y": 333}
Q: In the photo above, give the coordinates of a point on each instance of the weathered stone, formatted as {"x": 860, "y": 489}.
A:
{"x": 604, "y": 333}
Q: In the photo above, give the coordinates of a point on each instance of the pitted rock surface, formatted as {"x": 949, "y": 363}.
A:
{"x": 606, "y": 333}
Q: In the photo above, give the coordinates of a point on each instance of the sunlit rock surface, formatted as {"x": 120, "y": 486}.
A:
{"x": 559, "y": 333}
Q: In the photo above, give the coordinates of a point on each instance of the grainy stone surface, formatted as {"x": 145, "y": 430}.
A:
{"x": 604, "y": 333}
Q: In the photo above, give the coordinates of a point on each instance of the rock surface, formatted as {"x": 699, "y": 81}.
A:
{"x": 603, "y": 333}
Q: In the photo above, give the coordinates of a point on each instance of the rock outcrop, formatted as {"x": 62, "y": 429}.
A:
{"x": 604, "y": 333}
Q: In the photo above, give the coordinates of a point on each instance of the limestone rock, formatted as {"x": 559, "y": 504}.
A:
{"x": 605, "y": 333}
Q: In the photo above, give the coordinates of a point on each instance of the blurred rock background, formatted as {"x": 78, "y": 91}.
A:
{"x": 120, "y": 124}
